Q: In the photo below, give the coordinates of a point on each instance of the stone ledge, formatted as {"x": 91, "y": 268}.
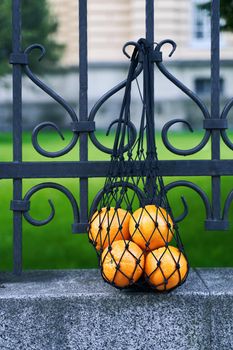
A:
{"x": 77, "y": 310}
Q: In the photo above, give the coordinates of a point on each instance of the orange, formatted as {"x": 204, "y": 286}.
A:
{"x": 151, "y": 227}
{"x": 122, "y": 263}
{"x": 107, "y": 226}
{"x": 166, "y": 268}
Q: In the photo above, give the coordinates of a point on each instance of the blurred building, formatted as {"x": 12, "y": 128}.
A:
{"x": 110, "y": 24}
{"x": 113, "y": 22}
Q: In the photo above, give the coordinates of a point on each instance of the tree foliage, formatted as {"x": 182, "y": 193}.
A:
{"x": 38, "y": 26}
{"x": 226, "y": 10}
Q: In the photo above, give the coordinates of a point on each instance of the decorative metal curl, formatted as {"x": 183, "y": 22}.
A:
{"x": 224, "y": 115}
{"x": 130, "y": 43}
{"x": 57, "y": 98}
{"x": 175, "y": 150}
{"x": 197, "y": 189}
{"x": 104, "y": 98}
{"x": 55, "y": 186}
{"x": 164, "y": 42}
{"x": 189, "y": 93}
{"x": 109, "y": 188}
{"x": 132, "y": 129}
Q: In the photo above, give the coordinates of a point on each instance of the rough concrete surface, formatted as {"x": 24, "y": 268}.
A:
{"x": 77, "y": 310}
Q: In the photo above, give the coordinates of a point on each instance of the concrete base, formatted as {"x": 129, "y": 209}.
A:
{"x": 77, "y": 310}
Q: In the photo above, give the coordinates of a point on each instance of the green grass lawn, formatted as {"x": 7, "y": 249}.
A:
{"x": 54, "y": 246}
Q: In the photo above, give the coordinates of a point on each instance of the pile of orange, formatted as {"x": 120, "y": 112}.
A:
{"x": 136, "y": 246}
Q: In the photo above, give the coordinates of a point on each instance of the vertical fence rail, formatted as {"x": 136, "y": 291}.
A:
{"x": 83, "y": 104}
{"x": 17, "y": 134}
{"x": 149, "y": 91}
{"x": 215, "y": 103}
{"x": 150, "y": 37}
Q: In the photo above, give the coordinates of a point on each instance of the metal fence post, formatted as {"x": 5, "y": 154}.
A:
{"x": 83, "y": 104}
{"x": 17, "y": 133}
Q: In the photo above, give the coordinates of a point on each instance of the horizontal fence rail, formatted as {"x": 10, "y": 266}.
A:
{"x": 83, "y": 128}
{"x": 91, "y": 169}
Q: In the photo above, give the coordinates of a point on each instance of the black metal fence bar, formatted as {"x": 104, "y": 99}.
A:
{"x": 150, "y": 38}
{"x": 89, "y": 169}
{"x": 17, "y": 135}
{"x": 150, "y": 130}
{"x": 83, "y": 104}
{"x": 215, "y": 104}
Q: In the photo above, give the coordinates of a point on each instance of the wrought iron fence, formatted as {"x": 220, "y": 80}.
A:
{"x": 83, "y": 127}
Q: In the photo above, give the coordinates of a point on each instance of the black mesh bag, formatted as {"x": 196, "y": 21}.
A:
{"x": 131, "y": 223}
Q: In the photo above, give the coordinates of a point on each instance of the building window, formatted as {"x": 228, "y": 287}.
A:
{"x": 201, "y": 24}
{"x": 203, "y": 86}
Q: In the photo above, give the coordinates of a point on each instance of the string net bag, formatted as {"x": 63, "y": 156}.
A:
{"x": 131, "y": 223}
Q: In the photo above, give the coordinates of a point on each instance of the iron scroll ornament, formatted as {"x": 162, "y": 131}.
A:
{"x": 58, "y": 99}
{"x": 60, "y": 188}
{"x": 198, "y": 190}
{"x": 201, "y": 105}
{"x": 105, "y": 97}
